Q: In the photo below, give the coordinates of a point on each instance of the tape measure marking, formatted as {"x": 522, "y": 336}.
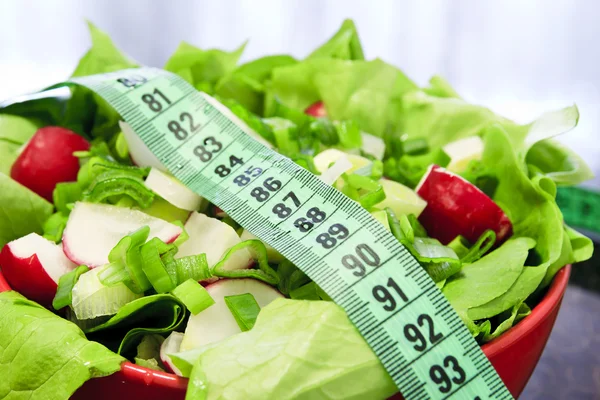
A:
{"x": 399, "y": 311}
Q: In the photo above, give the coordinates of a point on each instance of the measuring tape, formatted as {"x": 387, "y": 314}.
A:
{"x": 403, "y": 316}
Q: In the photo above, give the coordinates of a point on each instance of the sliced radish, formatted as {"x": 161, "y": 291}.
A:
{"x": 462, "y": 151}
{"x": 213, "y": 238}
{"x": 94, "y": 229}
{"x": 457, "y": 207}
{"x": 216, "y": 322}
{"x": 401, "y": 199}
{"x": 316, "y": 110}
{"x": 173, "y": 191}
{"x": 333, "y": 173}
{"x": 373, "y": 145}
{"x": 48, "y": 159}
{"x": 171, "y": 346}
{"x": 32, "y": 266}
{"x": 139, "y": 152}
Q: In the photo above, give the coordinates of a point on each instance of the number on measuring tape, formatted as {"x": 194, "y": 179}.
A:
{"x": 155, "y": 100}
{"x": 420, "y": 340}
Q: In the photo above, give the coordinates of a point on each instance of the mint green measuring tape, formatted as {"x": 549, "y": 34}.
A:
{"x": 397, "y": 308}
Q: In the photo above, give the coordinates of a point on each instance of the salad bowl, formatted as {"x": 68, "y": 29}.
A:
{"x": 525, "y": 342}
{"x": 125, "y": 282}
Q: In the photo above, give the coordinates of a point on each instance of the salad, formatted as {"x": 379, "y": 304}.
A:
{"x": 111, "y": 258}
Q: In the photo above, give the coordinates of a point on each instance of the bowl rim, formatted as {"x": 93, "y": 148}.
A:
{"x": 137, "y": 374}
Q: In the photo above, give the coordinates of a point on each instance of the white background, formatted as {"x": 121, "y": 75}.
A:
{"x": 518, "y": 57}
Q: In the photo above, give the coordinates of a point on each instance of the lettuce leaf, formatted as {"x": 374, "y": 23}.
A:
{"x": 368, "y": 92}
{"x": 529, "y": 203}
{"x": 86, "y": 112}
{"x": 559, "y": 163}
{"x": 21, "y": 210}
{"x": 345, "y": 44}
{"x": 282, "y": 357}
{"x": 43, "y": 356}
{"x": 489, "y": 277}
{"x": 202, "y": 68}
{"x": 15, "y": 131}
{"x": 247, "y": 83}
{"x": 156, "y": 314}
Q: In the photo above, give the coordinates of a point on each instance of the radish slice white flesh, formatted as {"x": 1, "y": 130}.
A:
{"x": 94, "y": 229}
{"x": 32, "y": 266}
{"x": 373, "y": 145}
{"x": 171, "y": 346}
{"x": 92, "y": 299}
{"x": 139, "y": 152}
{"x": 216, "y": 322}
{"x": 173, "y": 191}
{"x": 462, "y": 151}
{"x": 213, "y": 238}
{"x": 332, "y": 174}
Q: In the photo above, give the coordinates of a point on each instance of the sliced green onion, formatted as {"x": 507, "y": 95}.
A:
{"x": 66, "y": 193}
{"x": 118, "y": 183}
{"x": 183, "y": 236}
{"x": 244, "y": 309}
{"x": 363, "y": 189}
{"x": 114, "y": 274}
{"x": 64, "y": 295}
{"x": 194, "y": 296}
{"x": 285, "y": 132}
{"x": 481, "y": 246}
{"x": 348, "y": 134}
{"x": 324, "y": 131}
{"x": 127, "y": 254}
{"x": 54, "y": 226}
{"x": 121, "y": 147}
{"x": 92, "y": 299}
{"x": 148, "y": 352}
{"x": 155, "y": 269}
{"x": 160, "y": 208}
{"x": 415, "y": 146}
{"x": 418, "y": 229}
{"x": 409, "y": 169}
{"x": 265, "y": 273}
{"x": 460, "y": 245}
{"x": 401, "y": 228}
{"x": 439, "y": 261}
{"x": 192, "y": 267}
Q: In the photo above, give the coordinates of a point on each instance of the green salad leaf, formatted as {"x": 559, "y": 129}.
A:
{"x": 487, "y": 278}
{"x": 527, "y": 202}
{"x": 156, "y": 314}
{"x": 247, "y": 83}
{"x": 21, "y": 211}
{"x": 15, "y": 131}
{"x": 345, "y": 44}
{"x": 283, "y": 358}
{"x": 559, "y": 163}
{"x": 86, "y": 112}
{"x": 43, "y": 356}
{"x": 202, "y": 68}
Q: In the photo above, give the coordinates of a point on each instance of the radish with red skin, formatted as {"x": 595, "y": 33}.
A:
{"x": 171, "y": 345}
{"x": 457, "y": 207}
{"x": 216, "y": 322}
{"x": 32, "y": 266}
{"x": 94, "y": 229}
{"x": 316, "y": 110}
{"x": 48, "y": 159}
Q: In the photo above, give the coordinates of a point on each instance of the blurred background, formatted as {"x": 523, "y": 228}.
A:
{"x": 519, "y": 58}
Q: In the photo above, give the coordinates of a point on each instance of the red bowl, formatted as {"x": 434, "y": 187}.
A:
{"x": 524, "y": 342}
